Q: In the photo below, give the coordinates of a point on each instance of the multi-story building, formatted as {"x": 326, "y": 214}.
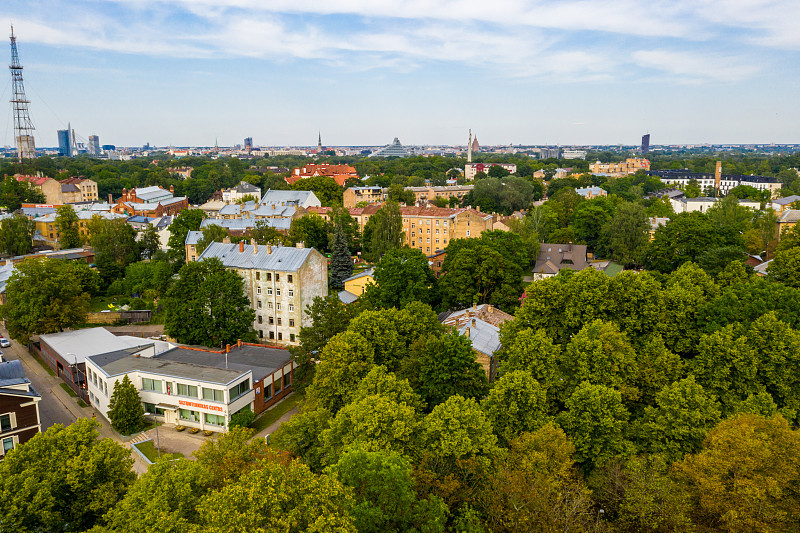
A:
{"x": 787, "y": 221}
{"x": 303, "y": 199}
{"x": 573, "y": 154}
{"x": 50, "y": 188}
{"x": 241, "y": 192}
{"x": 426, "y": 195}
{"x": 591, "y": 192}
{"x": 192, "y": 240}
{"x": 340, "y": 173}
{"x": 726, "y": 181}
{"x": 150, "y": 202}
{"x": 86, "y": 190}
{"x": 279, "y": 281}
{"x": 19, "y": 407}
{"x": 473, "y": 168}
{"x": 395, "y": 149}
{"x": 623, "y": 168}
{"x": 46, "y": 225}
{"x": 93, "y": 147}
{"x": 370, "y": 195}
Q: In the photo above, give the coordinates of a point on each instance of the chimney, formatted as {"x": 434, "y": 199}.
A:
{"x": 226, "y": 240}
{"x": 490, "y": 309}
{"x": 110, "y": 200}
{"x": 474, "y": 322}
{"x": 300, "y": 244}
{"x": 269, "y": 249}
{"x": 474, "y": 305}
{"x": 172, "y": 189}
{"x": 239, "y": 343}
{"x": 254, "y": 244}
{"x": 228, "y": 348}
{"x": 718, "y": 176}
{"x": 466, "y": 333}
{"x": 124, "y": 194}
{"x": 241, "y": 247}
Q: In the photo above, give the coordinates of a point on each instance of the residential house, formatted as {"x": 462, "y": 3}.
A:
{"x": 241, "y": 192}
{"x": 369, "y": 195}
{"x": 281, "y": 282}
{"x": 704, "y": 203}
{"x": 192, "y": 240}
{"x": 726, "y": 181}
{"x": 787, "y": 221}
{"x": 195, "y": 387}
{"x": 554, "y": 257}
{"x": 47, "y": 231}
{"x": 303, "y": 199}
{"x": 591, "y": 192}
{"x": 436, "y": 260}
{"x": 19, "y": 407}
{"x": 357, "y": 283}
{"x": 426, "y": 195}
{"x": 340, "y": 173}
{"x": 782, "y": 204}
{"x": 481, "y": 324}
{"x": 86, "y": 190}
{"x": 212, "y": 207}
{"x": 623, "y": 168}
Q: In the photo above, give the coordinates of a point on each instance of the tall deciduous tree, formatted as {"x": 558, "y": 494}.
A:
{"x": 310, "y": 230}
{"x": 16, "y": 235}
{"x": 402, "y": 276}
{"x": 447, "y": 367}
{"x": 383, "y": 232}
{"x": 785, "y": 268}
{"x": 628, "y": 234}
{"x": 45, "y": 296}
{"x": 263, "y": 233}
{"x": 63, "y": 480}
{"x": 207, "y": 306}
{"x": 115, "y": 247}
{"x": 14, "y": 193}
{"x": 341, "y": 263}
{"x": 458, "y": 428}
{"x": 125, "y": 409}
{"x": 517, "y": 403}
{"x": 211, "y": 233}
{"x": 186, "y": 221}
{"x": 149, "y": 242}
{"x": 67, "y": 226}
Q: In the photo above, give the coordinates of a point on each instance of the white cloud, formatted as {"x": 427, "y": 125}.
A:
{"x": 695, "y": 67}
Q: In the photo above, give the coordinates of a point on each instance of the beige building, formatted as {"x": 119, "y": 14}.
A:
{"x": 787, "y": 221}
{"x": 426, "y": 195}
{"x": 79, "y": 190}
{"x": 623, "y": 168}
{"x": 281, "y": 282}
{"x": 371, "y": 195}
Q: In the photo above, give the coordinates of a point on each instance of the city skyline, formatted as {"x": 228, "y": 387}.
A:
{"x": 182, "y": 73}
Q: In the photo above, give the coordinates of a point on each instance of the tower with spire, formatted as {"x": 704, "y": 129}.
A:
{"x": 469, "y": 147}
{"x": 319, "y": 143}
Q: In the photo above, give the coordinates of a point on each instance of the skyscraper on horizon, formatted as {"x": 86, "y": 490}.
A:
{"x": 93, "y": 147}
{"x": 645, "y": 143}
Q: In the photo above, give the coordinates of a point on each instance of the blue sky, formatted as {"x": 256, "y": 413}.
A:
{"x": 187, "y": 72}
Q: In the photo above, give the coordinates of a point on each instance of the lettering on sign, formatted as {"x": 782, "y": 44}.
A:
{"x": 200, "y": 405}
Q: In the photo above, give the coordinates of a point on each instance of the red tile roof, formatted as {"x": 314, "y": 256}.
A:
{"x": 35, "y": 180}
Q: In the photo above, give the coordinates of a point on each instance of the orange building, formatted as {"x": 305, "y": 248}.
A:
{"x": 340, "y": 173}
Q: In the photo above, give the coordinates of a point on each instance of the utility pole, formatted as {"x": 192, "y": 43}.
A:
{"x": 23, "y": 127}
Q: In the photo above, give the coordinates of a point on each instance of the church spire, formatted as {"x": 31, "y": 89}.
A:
{"x": 469, "y": 147}
{"x": 319, "y": 143}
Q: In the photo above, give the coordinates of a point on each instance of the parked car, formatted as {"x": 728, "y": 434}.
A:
{"x": 4, "y": 343}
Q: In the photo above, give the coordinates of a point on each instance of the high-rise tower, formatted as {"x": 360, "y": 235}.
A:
{"x": 645, "y": 143}
{"x": 23, "y": 127}
{"x": 469, "y": 147}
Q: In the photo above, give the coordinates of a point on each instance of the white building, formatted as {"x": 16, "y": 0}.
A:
{"x": 473, "y": 168}
{"x": 240, "y": 192}
{"x": 704, "y": 203}
{"x": 280, "y": 281}
{"x": 573, "y": 154}
{"x": 290, "y": 198}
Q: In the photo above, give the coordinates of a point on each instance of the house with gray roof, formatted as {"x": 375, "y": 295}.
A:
{"x": 280, "y": 281}
{"x": 304, "y": 199}
{"x": 19, "y": 407}
{"x": 554, "y": 257}
{"x": 241, "y": 191}
{"x": 481, "y": 325}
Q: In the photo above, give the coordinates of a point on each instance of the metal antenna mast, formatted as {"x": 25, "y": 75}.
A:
{"x": 23, "y": 127}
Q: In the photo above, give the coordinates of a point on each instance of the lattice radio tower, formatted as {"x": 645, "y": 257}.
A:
{"x": 23, "y": 127}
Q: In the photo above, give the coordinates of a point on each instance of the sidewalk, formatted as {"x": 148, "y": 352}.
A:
{"x": 274, "y": 426}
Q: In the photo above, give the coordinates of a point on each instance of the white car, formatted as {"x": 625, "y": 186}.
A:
{"x": 4, "y": 343}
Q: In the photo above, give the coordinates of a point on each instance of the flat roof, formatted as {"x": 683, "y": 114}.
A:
{"x": 122, "y": 362}
{"x": 260, "y": 360}
{"x": 75, "y": 346}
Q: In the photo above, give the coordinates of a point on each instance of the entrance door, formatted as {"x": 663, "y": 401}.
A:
{"x": 170, "y": 416}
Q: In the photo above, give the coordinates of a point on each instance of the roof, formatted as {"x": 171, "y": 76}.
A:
{"x": 260, "y": 360}
{"x": 245, "y": 187}
{"x": 69, "y": 187}
{"x": 75, "y": 346}
{"x": 280, "y": 258}
{"x": 786, "y": 200}
{"x": 761, "y": 269}
{"x": 12, "y": 373}
{"x": 554, "y": 257}
{"x": 594, "y": 191}
{"x": 193, "y": 237}
{"x": 368, "y": 272}
{"x": 122, "y": 362}
{"x": 347, "y": 297}
{"x": 395, "y": 149}
{"x": 235, "y": 209}
{"x": 792, "y": 215}
{"x": 152, "y": 193}
{"x": 286, "y": 197}
{"x": 213, "y": 205}
{"x": 5, "y": 273}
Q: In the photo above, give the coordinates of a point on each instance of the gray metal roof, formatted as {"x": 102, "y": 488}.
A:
{"x": 287, "y": 197}
{"x": 787, "y": 200}
{"x": 368, "y": 272}
{"x": 347, "y": 297}
{"x": 122, "y": 362}
{"x": 260, "y": 360}
{"x": 280, "y": 258}
{"x": 484, "y": 336}
{"x": 5, "y": 273}
{"x": 75, "y": 346}
{"x": 193, "y": 237}
{"x": 12, "y": 373}
{"x": 153, "y": 193}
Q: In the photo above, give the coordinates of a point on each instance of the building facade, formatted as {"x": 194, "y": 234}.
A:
{"x": 281, "y": 282}
{"x": 370, "y": 195}
{"x": 473, "y": 168}
{"x": 623, "y": 168}
{"x": 241, "y": 192}
{"x": 726, "y": 183}
{"x": 340, "y": 173}
{"x": 19, "y": 407}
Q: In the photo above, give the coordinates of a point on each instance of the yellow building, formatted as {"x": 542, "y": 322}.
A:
{"x": 370, "y": 195}
{"x": 357, "y": 284}
{"x": 787, "y": 221}
{"x": 426, "y": 195}
{"x": 46, "y": 225}
{"x": 623, "y": 168}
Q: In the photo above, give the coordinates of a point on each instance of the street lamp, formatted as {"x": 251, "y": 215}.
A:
{"x": 158, "y": 442}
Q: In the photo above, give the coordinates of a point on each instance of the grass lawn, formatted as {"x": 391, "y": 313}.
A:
{"x": 49, "y": 370}
{"x": 270, "y": 416}
{"x": 148, "y": 448}
{"x": 69, "y": 390}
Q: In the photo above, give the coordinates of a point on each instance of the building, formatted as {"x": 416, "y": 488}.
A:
{"x": 340, "y": 173}
{"x": 93, "y": 147}
{"x": 591, "y": 192}
{"x": 303, "y": 199}
{"x": 369, "y": 195}
{"x": 481, "y": 325}
{"x": 241, "y": 192}
{"x": 150, "y": 202}
{"x": 19, "y": 407}
{"x": 80, "y": 189}
{"x": 707, "y": 180}
{"x": 554, "y": 257}
{"x": 248, "y": 144}
{"x": 549, "y": 153}
{"x": 66, "y": 142}
{"x": 787, "y": 221}
{"x": 435, "y": 261}
{"x": 357, "y": 283}
{"x": 704, "y": 203}
{"x": 195, "y": 387}
{"x": 212, "y": 207}
{"x": 623, "y": 168}
{"x": 573, "y": 154}
{"x": 655, "y": 223}
{"x": 65, "y": 353}
{"x": 475, "y": 147}
{"x": 281, "y": 282}
{"x": 470, "y": 169}
{"x": 192, "y": 240}
{"x": 391, "y": 150}
{"x": 782, "y": 204}
{"x": 645, "y": 143}
{"x": 47, "y": 230}
{"x": 426, "y": 195}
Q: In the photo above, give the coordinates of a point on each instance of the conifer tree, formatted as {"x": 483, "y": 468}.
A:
{"x": 125, "y": 410}
{"x": 341, "y": 264}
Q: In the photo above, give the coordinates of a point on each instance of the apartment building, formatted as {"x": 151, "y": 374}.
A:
{"x": 66, "y": 191}
{"x": 426, "y": 195}
{"x": 473, "y": 168}
{"x": 726, "y": 181}
{"x": 280, "y": 282}
{"x": 623, "y": 168}
{"x": 370, "y": 195}
{"x": 340, "y": 173}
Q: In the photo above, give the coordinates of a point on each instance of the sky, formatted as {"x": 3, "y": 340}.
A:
{"x": 361, "y": 72}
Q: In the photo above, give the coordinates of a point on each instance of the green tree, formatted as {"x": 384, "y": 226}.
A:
{"x": 516, "y": 403}
{"x": 588, "y": 221}
{"x": 341, "y": 263}
{"x": 265, "y": 234}
{"x": 278, "y": 495}
{"x": 746, "y": 476}
{"x": 64, "y": 479}
{"x": 186, "y": 221}
{"x": 14, "y": 193}
{"x": 207, "y": 306}
{"x": 596, "y": 421}
{"x": 682, "y": 239}
{"x": 230, "y": 456}
{"x": 679, "y": 421}
{"x": 533, "y": 352}
{"x": 340, "y": 217}
{"x": 149, "y": 242}
{"x": 383, "y": 232}
{"x": 402, "y": 276}
{"x": 67, "y": 225}
{"x": 324, "y": 187}
{"x": 115, "y": 247}
{"x": 346, "y": 359}
{"x": 628, "y": 234}
{"x": 447, "y": 367}
{"x": 383, "y": 493}
{"x": 310, "y": 230}
{"x": 479, "y": 274}
{"x": 125, "y": 409}
{"x": 44, "y": 296}
{"x": 398, "y": 193}
{"x": 458, "y": 428}
{"x": 211, "y": 233}
{"x": 16, "y": 235}
{"x": 242, "y": 418}
{"x": 785, "y": 267}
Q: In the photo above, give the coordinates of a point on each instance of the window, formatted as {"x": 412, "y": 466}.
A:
{"x": 151, "y": 384}
{"x": 277, "y": 385}
{"x": 272, "y": 335}
{"x": 261, "y": 333}
{"x": 280, "y": 336}
{"x": 467, "y": 233}
{"x": 429, "y": 231}
{"x": 258, "y": 276}
{"x": 185, "y": 414}
{"x": 279, "y": 321}
{"x": 153, "y": 409}
{"x": 287, "y": 380}
{"x": 7, "y": 421}
{"x": 291, "y": 293}
{"x": 289, "y": 278}
{"x": 213, "y": 395}
{"x": 291, "y": 307}
{"x": 269, "y": 276}
{"x": 291, "y": 337}
{"x": 278, "y": 306}
{"x": 271, "y": 320}
{"x": 269, "y": 291}
{"x": 258, "y": 290}
{"x": 260, "y": 320}
{"x": 291, "y": 323}
{"x": 259, "y": 304}
{"x": 268, "y": 391}
{"x": 8, "y": 444}
{"x": 277, "y": 291}
{"x": 187, "y": 390}
{"x": 240, "y": 389}
{"x": 277, "y": 277}
{"x": 214, "y": 420}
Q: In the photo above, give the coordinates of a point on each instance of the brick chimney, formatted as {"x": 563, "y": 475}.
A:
{"x": 132, "y": 194}
{"x": 300, "y": 244}
{"x": 110, "y": 199}
{"x": 241, "y": 247}
{"x": 172, "y": 189}
{"x": 226, "y": 240}
{"x": 254, "y": 244}
{"x": 269, "y": 249}
{"x": 124, "y": 194}
{"x": 239, "y": 343}
{"x": 228, "y": 348}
